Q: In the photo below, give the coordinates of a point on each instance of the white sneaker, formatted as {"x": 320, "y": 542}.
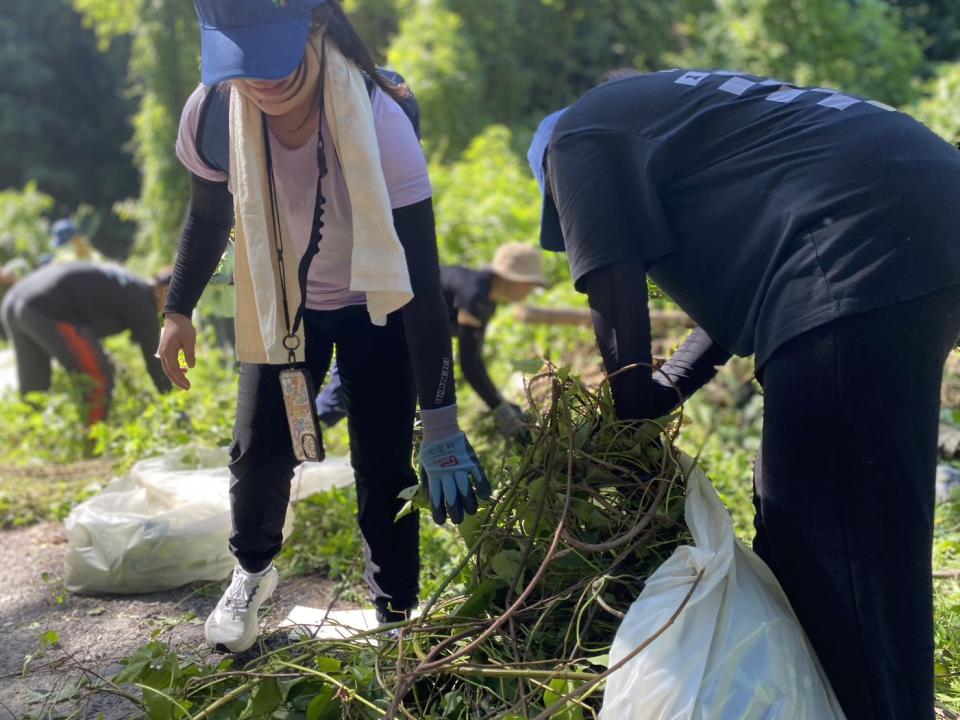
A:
{"x": 233, "y": 623}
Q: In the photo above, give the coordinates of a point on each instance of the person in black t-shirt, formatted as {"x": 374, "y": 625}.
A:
{"x": 817, "y": 231}
{"x": 63, "y": 310}
{"x": 472, "y": 297}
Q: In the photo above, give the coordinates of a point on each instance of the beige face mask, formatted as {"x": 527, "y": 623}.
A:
{"x": 292, "y": 105}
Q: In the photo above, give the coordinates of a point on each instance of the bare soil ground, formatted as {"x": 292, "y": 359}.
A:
{"x": 93, "y": 632}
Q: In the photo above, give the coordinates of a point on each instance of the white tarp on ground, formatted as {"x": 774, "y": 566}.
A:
{"x": 167, "y": 522}
{"x": 326, "y": 624}
{"x": 736, "y": 650}
{"x": 8, "y": 371}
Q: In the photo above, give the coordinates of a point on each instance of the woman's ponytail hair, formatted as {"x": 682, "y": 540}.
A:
{"x": 332, "y": 20}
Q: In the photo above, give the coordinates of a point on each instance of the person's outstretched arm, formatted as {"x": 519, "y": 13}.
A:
{"x": 621, "y": 320}
{"x": 618, "y": 301}
{"x": 425, "y": 316}
{"x": 692, "y": 366}
{"x": 202, "y": 242}
{"x": 471, "y": 362}
{"x": 446, "y": 458}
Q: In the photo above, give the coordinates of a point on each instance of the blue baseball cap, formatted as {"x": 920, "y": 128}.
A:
{"x": 262, "y": 39}
{"x": 551, "y": 234}
{"x": 63, "y": 231}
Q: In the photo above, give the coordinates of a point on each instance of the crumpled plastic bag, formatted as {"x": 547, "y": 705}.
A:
{"x": 736, "y": 649}
{"x": 167, "y": 522}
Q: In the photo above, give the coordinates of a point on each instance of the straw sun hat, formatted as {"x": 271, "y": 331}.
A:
{"x": 519, "y": 263}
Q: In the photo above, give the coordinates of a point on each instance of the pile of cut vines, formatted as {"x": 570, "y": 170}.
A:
{"x": 522, "y": 629}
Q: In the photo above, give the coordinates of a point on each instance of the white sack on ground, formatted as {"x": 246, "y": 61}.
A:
{"x": 167, "y": 522}
{"x": 736, "y": 650}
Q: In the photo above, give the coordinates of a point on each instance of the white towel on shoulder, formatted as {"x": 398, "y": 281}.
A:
{"x": 378, "y": 262}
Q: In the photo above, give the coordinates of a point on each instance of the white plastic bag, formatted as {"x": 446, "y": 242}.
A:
{"x": 735, "y": 652}
{"x": 167, "y": 523}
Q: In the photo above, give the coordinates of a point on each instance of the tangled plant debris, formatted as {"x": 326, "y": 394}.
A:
{"x": 520, "y": 629}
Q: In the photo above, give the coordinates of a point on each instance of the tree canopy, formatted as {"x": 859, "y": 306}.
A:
{"x": 98, "y": 126}
{"x": 64, "y": 112}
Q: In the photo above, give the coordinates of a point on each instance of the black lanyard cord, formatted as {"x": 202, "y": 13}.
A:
{"x": 316, "y": 229}
{"x": 290, "y": 341}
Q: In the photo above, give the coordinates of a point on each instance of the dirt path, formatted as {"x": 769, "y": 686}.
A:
{"x": 93, "y": 631}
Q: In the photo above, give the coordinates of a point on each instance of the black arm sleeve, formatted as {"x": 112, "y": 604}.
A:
{"x": 425, "y": 317}
{"x": 621, "y": 319}
{"x": 471, "y": 362}
{"x": 691, "y": 367}
{"x": 202, "y": 242}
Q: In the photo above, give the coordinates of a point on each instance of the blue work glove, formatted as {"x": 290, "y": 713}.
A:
{"x": 450, "y": 470}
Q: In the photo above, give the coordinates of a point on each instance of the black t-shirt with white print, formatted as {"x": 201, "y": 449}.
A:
{"x": 763, "y": 209}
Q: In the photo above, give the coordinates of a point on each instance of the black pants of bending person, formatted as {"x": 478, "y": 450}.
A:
{"x": 39, "y": 339}
{"x": 380, "y": 397}
{"x": 845, "y": 496}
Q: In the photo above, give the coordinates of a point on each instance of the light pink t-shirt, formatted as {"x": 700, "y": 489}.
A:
{"x": 404, "y": 167}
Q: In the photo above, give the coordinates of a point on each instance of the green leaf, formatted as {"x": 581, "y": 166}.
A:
{"x": 536, "y": 486}
{"x": 556, "y": 689}
{"x": 588, "y": 513}
{"x": 409, "y": 493}
{"x": 266, "y": 698}
{"x": 478, "y": 600}
{"x": 506, "y": 565}
{"x": 49, "y": 638}
{"x": 582, "y": 435}
{"x": 324, "y": 706}
{"x": 159, "y": 705}
{"x": 141, "y": 662}
{"x": 298, "y": 693}
{"x": 452, "y": 702}
{"x": 327, "y": 664}
{"x": 163, "y": 674}
{"x": 599, "y": 660}
{"x": 407, "y": 508}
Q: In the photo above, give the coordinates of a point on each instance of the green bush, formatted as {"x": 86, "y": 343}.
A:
{"x": 48, "y": 427}
{"x": 859, "y": 47}
{"x": 434, "y": 56}
{"x": 484, "y": 198}
{"x": 940, "y": 107}
{"x": 24, "y": 223}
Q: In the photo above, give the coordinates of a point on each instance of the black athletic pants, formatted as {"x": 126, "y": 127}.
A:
{"x": 845, "y": 496}
{"x": 380, "y": 398}
{"x": 37, "y": 339}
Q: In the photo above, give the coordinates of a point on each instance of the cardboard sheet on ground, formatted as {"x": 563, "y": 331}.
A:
{"x": 735, "y": 650}
{"x": 324, "y": 624}
{"x": 308, "y": 622}
{"x": 167, "y": 522}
